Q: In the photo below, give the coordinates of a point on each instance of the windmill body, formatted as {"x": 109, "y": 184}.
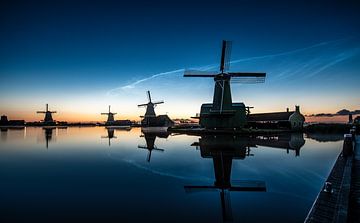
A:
{"x": 223, "y": 113}
{"x": 48, "y": 120}
{"x": 110, "y": 119}
{"x": 150, "y": 119}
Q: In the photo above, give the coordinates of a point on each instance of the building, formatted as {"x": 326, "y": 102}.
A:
{"x": 293, "y": 120}
{"x": 5, "y": 122}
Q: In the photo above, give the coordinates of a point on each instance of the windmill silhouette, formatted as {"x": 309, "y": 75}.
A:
{"x": 150, "y": 110}
{"x": 110, "y": 134}
{"x": 48, "y": 115}
{"x": 110, "y": 119}
{"x": 150, "y": 142}
{"x": 48, "y": 132}
{"x": 150, "y": 145}
{"x": 223, "y": 113}
{"x": 223, "y": 149}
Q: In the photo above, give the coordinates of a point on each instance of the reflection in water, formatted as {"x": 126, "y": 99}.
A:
{"x": 292, "y": 141}
{"x": 4, "y": 133}
{"x": 110, "y": 134}
{"x": 224, "y": 148}
{"x": 150, "y": 138}
{"x": 48, "y": 131}
{"x": 325, "y": 137}
{"x": 14, "y": 132}
{"x": 93, "y": 184}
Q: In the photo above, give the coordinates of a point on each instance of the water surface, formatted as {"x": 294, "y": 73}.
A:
{"x": 107, "y": 175}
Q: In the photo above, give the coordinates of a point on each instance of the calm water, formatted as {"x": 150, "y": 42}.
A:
{"x": 95, "y": 174}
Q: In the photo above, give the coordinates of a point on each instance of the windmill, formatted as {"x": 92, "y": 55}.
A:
{"x": 150, "y": 145}
{"x": 110, "y": 119}
{"x": 48, "y": 115}
{"x": 223, "y": 113}
{"x": 48, "y": 132}
{"x": 110, "y": 134}
{"x": 223, "y": 149}
{"x": 150, "y": 110}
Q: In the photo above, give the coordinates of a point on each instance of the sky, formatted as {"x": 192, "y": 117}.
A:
{"x": 81, "y": 56}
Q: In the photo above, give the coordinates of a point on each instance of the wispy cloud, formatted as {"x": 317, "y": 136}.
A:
{"x": 318, "y": 61}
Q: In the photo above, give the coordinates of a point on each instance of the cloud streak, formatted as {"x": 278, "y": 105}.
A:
{"x": 310, "y": 68}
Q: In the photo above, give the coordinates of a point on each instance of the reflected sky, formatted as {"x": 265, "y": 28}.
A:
{"x": 80, "y": 176}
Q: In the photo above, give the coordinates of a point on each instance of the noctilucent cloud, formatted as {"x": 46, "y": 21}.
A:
{"x": 81, "y": 56}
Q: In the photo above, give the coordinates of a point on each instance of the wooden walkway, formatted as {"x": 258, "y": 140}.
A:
{"x": 343, "y": 204}
{"x": 354, "y": 202}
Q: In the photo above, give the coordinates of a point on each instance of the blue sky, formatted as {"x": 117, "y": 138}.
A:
{"x": 80, "y": 56}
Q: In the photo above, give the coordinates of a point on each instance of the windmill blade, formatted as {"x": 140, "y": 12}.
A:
{"x": 196, "y": 189}
{"x": 142, "y": 105}
{"x": 225, "y": 55}
{"x": 226, "y": 206}
{"x": 246, "y": 74}
{"x": 105, "y": 113}
{"x": 199, "y": 73}
{"x": 40, "y": 112}
{"x": 247, "y": 77}
{"x": 248, "y": 185}
{"x": 247, "y": 80}
{"x": 159, "y": 150}
{"x": 149, "y": 96}
{"x": 142, "y": 147}
{"x": 158, "y": 102}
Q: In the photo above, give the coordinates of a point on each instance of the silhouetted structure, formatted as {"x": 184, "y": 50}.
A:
{"x": 223, "y": 149}
{"x": 48, "y": 131}
{"x": 293, "y": 120}
{"x": 5, "y": 122}
{"x": 150, "y": 142}
{"x": 48, "y": 120}
{"x": 150, "y": 119}
{"x": 110, "y": 119}
{"x": 110, "y": 132}
{"x": 223, "y": 113}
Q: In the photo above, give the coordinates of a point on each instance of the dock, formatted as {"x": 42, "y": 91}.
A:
{"x": 339, "y": 199}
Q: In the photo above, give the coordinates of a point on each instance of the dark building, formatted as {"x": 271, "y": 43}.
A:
{"x": 4, "y": 121}
{"x": 293, "y": 120}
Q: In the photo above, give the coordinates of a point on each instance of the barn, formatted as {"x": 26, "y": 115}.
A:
{"x": 293, "y": 120}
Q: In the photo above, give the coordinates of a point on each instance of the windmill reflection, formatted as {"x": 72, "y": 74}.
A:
{"x": 111, "y": 132}
{"x": 48, "y": 132}
{"x": 150, "y": 138}
{"x": 110, "y": 135}
{"x": 223, "y": 149}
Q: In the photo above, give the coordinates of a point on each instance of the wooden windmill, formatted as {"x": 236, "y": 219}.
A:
{"x": 223, "y": 113}
{"x": 150, "y": 110}
{"x": 48, "y": 115}
{"x": 110, "y": 119}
